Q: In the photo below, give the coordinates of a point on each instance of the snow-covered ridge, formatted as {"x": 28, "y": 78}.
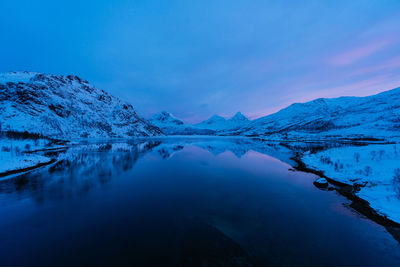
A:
{"x": 165, "y": 118}
{"x": 17, "y": 76}
{"x": 65, "y": 107}
{"x": 375, "y": 116}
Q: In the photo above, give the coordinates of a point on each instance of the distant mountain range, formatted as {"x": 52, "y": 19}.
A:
{"x": 70, "y": 107}
{"x": 219, "y": 123}
{"x": 171, "y": 125}
{"x": 376, "y": 116}
{"x": 66, "y": 107}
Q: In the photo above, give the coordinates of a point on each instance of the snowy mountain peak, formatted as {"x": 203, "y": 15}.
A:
{"x": 164, "y": 118}
{"x": 65, "y": 107}
{"x": 163, "y": 115}
{"x": 239, "y": 117}
{"x": 218, "y": 123}
{"x": 171, "y": 125}
{"x": 214, "y": 119}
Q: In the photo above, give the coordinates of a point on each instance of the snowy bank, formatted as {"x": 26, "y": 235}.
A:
{"x": 373, "y": 168}
{"x": 12, "y": 164}
{"x": 16, "y": 155}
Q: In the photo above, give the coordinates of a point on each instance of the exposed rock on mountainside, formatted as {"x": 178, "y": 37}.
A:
{"x": 66, "y": 107}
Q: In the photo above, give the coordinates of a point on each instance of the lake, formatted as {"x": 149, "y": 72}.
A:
{"x": 182, "y": 202}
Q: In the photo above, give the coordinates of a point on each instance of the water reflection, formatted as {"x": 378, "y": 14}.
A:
{"x": 78, "y": 169}
{"x": 89, "y": 164}
{"x": 181, "y": 202}
{"x": 86, "y": 165}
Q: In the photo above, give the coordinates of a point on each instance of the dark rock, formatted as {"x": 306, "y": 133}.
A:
{"x": 321, "y": 183}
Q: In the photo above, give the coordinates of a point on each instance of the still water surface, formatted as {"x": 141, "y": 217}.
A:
{"x": 182, "y": 202}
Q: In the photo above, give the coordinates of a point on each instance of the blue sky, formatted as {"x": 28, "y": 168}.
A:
{"x": 199, "y": 58}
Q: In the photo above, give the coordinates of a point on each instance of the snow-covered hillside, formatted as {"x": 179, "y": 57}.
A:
{"x": 20, "y": 152}
{"x": 65, "y": 107}
{"x": 376, "y": 116}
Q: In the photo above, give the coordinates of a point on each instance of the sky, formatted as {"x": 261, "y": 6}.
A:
{"x": 199, "y": 58}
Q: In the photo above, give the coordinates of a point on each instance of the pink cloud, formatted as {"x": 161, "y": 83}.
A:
{"x": 355, "y": 54}
{"x": 390, "y": 64}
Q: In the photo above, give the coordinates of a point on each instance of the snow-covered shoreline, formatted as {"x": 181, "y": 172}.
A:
{"x": 21, "y": 155}
{"x": 8, "y": 163}
{"x": 372, "y": 169}
{"x": 23, "y": 164}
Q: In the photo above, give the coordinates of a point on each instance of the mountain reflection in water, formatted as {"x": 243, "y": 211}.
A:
{"x": 182, "y": 202}
{"x": 91, "y": 164}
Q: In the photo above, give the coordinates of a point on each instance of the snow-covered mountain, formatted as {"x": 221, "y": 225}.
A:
{"x": 219, "y": 123}
{"x": 69, "y": 107}
{"x": 165, "y": 118}
{"x": 65, "y": 107}
{"x": 376, "y": 116}
{"x": 212, "y": 122}
{"x": 171, "y": 125}
{"x": 239, "y": 117}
